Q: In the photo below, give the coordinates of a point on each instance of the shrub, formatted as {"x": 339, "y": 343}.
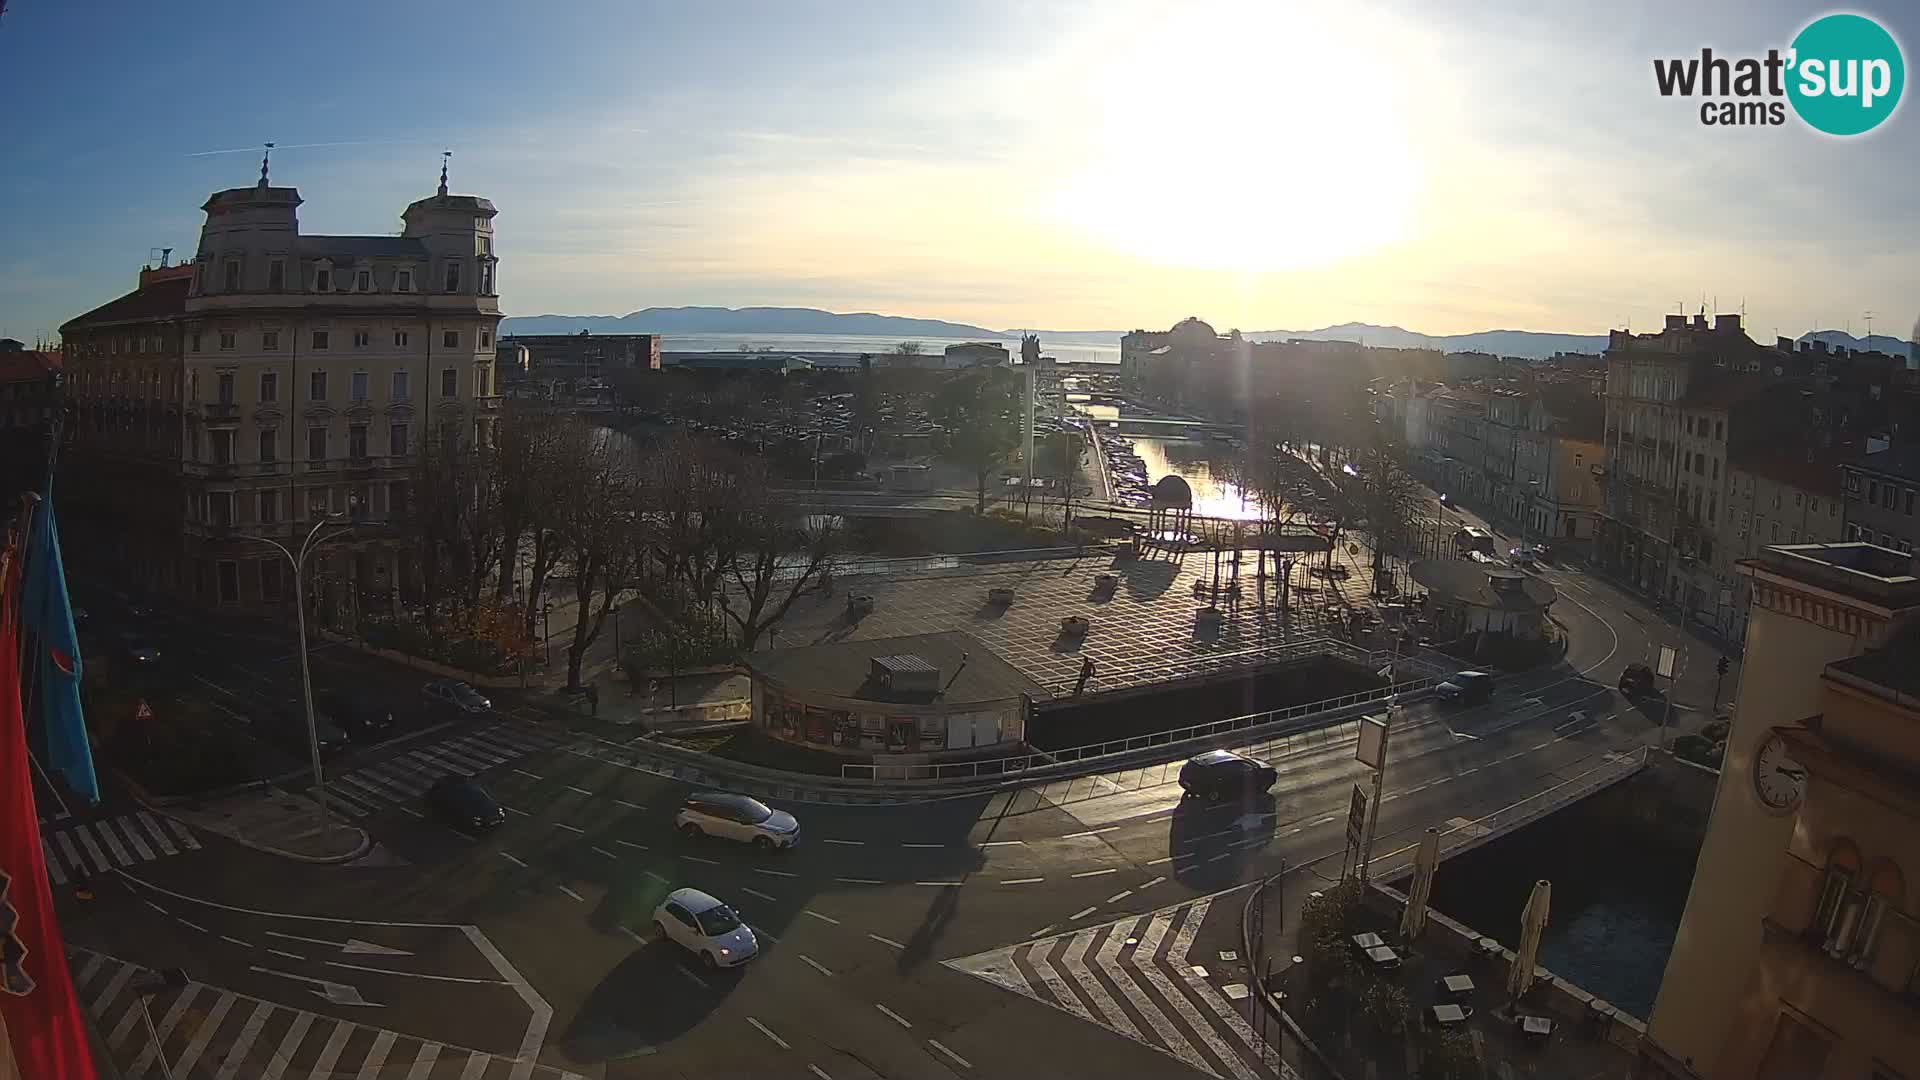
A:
{"x": 697, "y": 639}
{"x": 1448, "y": 1055}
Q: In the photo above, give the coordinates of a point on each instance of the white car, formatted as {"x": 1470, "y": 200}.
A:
{"x": 701, "y": 924}
{"x": 736, "y": 817}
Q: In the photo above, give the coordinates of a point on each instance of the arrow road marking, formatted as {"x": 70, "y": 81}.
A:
{"x": 351, "y": 946}
{"x": 337, "y": 993}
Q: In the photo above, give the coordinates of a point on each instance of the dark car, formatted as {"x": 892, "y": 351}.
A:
{"x": 464, "y": 804}
{"x": 287, "y": 729}
{"x": 454, "y": 696}
{"x": 137, "y": 649}
{"x": 1636, "y": 680}
{"x": 1465, "y": 688}
{"x": 362, "y": 720}
{"x": 1219, "y": 774}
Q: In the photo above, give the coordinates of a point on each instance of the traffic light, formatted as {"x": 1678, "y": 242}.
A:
{"x": 1721, "y": 667}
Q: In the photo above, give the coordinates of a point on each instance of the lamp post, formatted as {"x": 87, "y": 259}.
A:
{"x": 144, "y": 987}
{"x": 546, "y": 630}
{"x": 299, "y": 562}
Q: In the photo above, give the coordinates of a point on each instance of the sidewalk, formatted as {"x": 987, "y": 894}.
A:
{"x": 278, "y": 823}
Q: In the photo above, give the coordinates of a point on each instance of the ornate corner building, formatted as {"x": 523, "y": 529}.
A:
{"x": 276, "y": 380}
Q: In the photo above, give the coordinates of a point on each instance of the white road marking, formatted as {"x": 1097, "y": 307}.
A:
{"x": 1158, "y": 861}
{"x": 1081, "y": 914}
{"x": 688, "y": 972}
{"x": 155, "y": 906}
{"x": 1152, "y": 883}
{"x": 894, "y": 1016}
{"x": 571, "y": 893}
{"x": 581, "y": 790}
{"x": 631, "y": 844}
{"x": 701, "y": 861}
{"x": 1003, "y": 843}
{"x": 285, "y": 953}
{"x": 190, "y": 925}
{"x": 957, "y": 1059}
{"x": 940, "y": 884}
{"x": 859, "y": 881}
{"x": 628, "y": 805}
{"x": 604, "y": 851}
{"x": 845, "y": 843}
{"x": 283, "y": 1057}
{"x": 514, "y": 810}
{"x": 569, "y": 828}
{"x": 774, "y": 873}
{"x": 1096, "y": 873}
{"x": 636, "y": 938}
{"x": 825, "y": 918}
{"x": 1023, "y": 881}
{"x": 923, "y": 845}
{"x": 376, "y": 1059}
{"x": 528, "y": 775}
{"x": 424, "y": 1063}
{"x": 236, "y": 941}
{"x": 1041, "y": 932}
{"x": 816, "y": 1070}
{"x": 758, "y": 893}
{"x": 887, "y": 941}
{"x": 661, "y": 878}
{"x": 1089, "y": 832}
{"x": 815, "y": 964}
{"x": 509, "y": 856}
{"x": 416, "y": 974}
{"x": 251, "y": 1031}
{"x": 1119, "y": 896}
{"x": 762, "y": 1029}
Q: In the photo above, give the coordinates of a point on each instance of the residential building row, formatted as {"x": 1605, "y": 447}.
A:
{"x": 275, "y": 381}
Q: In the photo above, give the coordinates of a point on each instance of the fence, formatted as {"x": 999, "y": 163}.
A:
{"x": 1279, "y": 724}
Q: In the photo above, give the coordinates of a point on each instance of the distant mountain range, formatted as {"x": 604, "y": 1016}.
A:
{"x": 681, "y": 321}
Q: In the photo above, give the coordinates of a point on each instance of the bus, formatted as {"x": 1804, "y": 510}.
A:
{"x": 1471, "y": 539}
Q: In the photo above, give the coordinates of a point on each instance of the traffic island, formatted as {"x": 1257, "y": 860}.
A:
{"x": 278, "y": 823}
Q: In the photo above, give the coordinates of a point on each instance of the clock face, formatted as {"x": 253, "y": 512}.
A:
{"x": 1779, "y": 780}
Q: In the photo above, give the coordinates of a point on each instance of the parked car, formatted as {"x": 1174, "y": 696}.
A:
{"x": 135, "y": 648}
{"x": 703, "y": 925}
{"x": 452, "y": 695}
{"x": 464, "y": 804}
{"x": 287, "y": 729}
{"x": 1219, "y": 774}
{"x": 1465, "y": 688}
{"x": 362, "y": 720}
{"x": 1524, "y": 556}
{"x": 1636, "y": 680}
{"x": 737, "y": 817}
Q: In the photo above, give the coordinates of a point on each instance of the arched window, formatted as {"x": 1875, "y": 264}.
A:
{"x": 1839, "y": 883}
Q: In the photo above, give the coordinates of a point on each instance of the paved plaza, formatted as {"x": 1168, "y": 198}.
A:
{"x": 1145, "y": 627}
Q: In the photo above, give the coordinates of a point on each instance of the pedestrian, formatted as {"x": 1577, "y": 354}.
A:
{"x": 593, "y": 699}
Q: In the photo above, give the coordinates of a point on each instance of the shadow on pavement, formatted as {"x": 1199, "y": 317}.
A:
{"x": 632, "y": 1011}
{"x": 1212, "y": 842}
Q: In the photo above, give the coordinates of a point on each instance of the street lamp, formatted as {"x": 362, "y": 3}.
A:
{"x": 546, "y": 630}
{"x": 145, "y": 986}
{"x": 299, "y": 562}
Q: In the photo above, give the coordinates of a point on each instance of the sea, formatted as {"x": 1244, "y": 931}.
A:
{"x": 1074, "y": 353}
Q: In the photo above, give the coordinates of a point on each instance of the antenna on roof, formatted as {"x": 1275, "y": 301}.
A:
{"x": 445, "y": 156}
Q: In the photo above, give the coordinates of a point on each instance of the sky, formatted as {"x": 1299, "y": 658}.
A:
{"x": 1446, "y": 167}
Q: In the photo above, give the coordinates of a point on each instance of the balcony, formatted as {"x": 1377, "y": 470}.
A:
{"x": 219, "y": 411}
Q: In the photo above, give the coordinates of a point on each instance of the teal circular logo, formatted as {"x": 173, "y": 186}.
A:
{"x": 1845, "y": 74}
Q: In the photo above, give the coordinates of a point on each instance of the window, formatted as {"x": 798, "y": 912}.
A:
{"x": 361, "y": 339}
{"x": 270, "y": 340}
{"x": 276, "y": 275}
{"x": 403, "y": 281}
{"x": 196, "y": 341}
{"x": 1813, "y": 505}
{"x": 1853, "y": 482}
{"x": 229, "y": 577}
{"x": 453, "y": 277}
{"x": 317, "y": 444}
{"x": 450, "y": 382}
{"x": 270, "y": 510}
{"x": 400, "y": 387}
{"x": 486, "y": 277}
{"x": 359, "y": 386}
{"x": 1873, "y": 491}
{"x": 1774, "y": 531}
{"x": 363, "y": 281}
{"x": 480, "y": 381}
{"x": 1910, "y": 496}
{"x": 1796, "y": 500}
{"x": 1719, "y": 430}
{"x": 224, "y": 387}
{"x": 397, "y": 499}
{"x": 269, "y": 387}
{"x": 397, "y": 440}
{"x": 1887, "y": 495}
{"x": 486, "y": 338}
{"x": 226, "y": 339}
{"x": 318, "y": 505}
{"x": 450, "y": 339}
{"x": 1853, "y": 532}
{"x": 222, "y": 446}
{"x": 323, "y": 280}
{"x": 269, "y": 568}
{"x": 219, "y": 507}
{"x": 357, "y": 442}
{"x": 317, "y": 386}
{"x": 233, "y": 275}
{"x": 1716, "y": 470}
{"x": 269, "y": 446}
{"x": 399, "y": 339}
{"x": 320, "y": 339}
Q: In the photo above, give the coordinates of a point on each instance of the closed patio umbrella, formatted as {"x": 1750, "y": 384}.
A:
{"x": 1533, "y": 923}
{"x": 1425, "y": 862}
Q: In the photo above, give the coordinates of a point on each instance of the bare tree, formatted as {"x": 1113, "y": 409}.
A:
{"x": 1060, "y": 460}
{"x": 596, "y": 513}
{"x": 979, "y": 411}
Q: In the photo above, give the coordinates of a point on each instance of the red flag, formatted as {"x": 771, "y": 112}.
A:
{"x": 45, "y": 1034}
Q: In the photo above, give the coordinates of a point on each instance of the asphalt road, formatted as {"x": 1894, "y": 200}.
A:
{"x": 890, "y": 932}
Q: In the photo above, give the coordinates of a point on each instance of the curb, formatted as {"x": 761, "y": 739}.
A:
{"x": 147, "y": 802}
{"x": 1267, "y": 1000}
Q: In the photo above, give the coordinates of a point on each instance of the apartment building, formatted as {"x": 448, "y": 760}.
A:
{"x": 1798, "y": 957}
{"x": 1881, "y": 489}
{"x": 1771, "y": 497}
{"x": 280, "y": 380}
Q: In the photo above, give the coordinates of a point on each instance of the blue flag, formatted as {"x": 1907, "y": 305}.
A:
{"x": 45, "y": 610}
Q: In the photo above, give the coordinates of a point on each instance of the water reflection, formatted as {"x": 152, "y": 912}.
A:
{"x": 1201, "y": 465}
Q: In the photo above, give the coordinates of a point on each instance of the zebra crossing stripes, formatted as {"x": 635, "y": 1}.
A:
{"x": 75, "y": 851}
{"x": 1133, "y": 976}
{"x": 205, "y": 1031}
{"x": 403, "y": 778}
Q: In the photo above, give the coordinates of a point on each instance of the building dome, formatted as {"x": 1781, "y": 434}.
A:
{"x": 1171, "y": 492}
{"x": 1192, "y": 325}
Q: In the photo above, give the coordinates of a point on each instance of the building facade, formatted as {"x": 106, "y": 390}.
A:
{"x": 1772, "y": 498}
{"x": 32, "y": 403}
{"x": 1812, "y": 606}
{"x": 1881, "y": 489}
{"x": 280, "y": 380}
{"x": 567, "y": 360}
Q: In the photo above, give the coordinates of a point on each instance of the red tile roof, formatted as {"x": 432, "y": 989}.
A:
{"x": 160, "y": 300}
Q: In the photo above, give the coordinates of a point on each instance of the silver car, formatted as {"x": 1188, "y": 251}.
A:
{"x": 736, "y": 817}
{"x": 703, "y": 925}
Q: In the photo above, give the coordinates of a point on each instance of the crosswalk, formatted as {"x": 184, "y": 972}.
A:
{"x": 402, "y": 779}
{"x": 1134, "y": 977}
{"x": 207, "y": 1033}
{"x": 79, "y": 850}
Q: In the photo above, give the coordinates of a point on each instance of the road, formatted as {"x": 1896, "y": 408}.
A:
{"x": 935, "y": 939}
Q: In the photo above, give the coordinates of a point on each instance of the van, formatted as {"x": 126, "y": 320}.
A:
{"x": 1465, "y": 688}
{"x": 1473, "y": 538}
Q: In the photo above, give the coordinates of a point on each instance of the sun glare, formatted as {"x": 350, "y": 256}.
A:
{"x": 1260, "y": 139}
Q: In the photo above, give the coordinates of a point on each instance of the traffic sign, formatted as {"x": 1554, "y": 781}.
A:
{"x": 144, "y": 712}
{"x": 1357, "y": 816}
{"x": 1664, "y": 668}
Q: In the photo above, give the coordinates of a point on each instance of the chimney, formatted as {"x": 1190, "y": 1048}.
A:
{"x": 1700, "y": 321}
{"x": 1819, "y": 346}
{"x": 1784, "y": 344}
{"x": 1676, "y": 322}
{"x": 1726, "y": 324}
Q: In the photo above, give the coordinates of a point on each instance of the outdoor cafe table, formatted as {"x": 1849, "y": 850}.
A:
{"x": 1368, "y": 940}
{"x": 1457, "y": 984}
{"x": 1383, "y": 956}
{"x": 1449, "y": 1014}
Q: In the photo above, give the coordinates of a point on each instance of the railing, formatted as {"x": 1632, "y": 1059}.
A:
{"x": 1207, "y": 663}
{"x": 1281, "y": 726}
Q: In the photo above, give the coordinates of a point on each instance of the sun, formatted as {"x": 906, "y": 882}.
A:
{"x": 1246, "y": 139}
